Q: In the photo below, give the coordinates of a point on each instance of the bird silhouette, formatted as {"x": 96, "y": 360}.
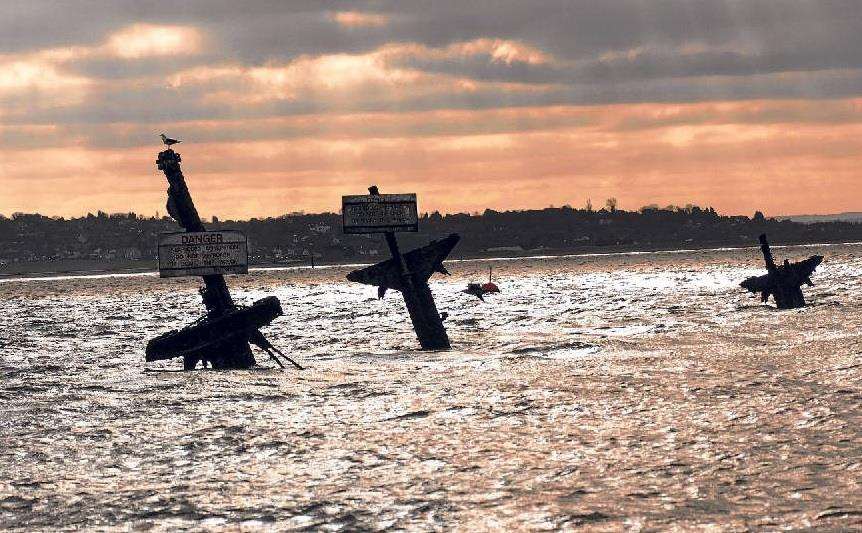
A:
{"x": 168, "y": 141}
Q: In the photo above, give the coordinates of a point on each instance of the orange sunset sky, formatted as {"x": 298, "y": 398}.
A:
{"x": 285, "y": 106}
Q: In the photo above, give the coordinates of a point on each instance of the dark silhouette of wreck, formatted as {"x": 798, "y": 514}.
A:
{"x": 409, "y": 273}
{"x": 223, "y": 335}
{"x": 784, "y": 282}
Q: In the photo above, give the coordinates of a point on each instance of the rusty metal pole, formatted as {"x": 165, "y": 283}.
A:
{"x": 418, "y": 299}
{"x": 234, "y": 353}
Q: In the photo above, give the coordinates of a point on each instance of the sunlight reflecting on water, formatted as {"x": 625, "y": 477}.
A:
{"x": 609, "y": 392}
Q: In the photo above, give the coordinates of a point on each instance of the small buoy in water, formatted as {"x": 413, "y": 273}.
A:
{"x": 479, "y": 290}
{"x": 490, "y": 287}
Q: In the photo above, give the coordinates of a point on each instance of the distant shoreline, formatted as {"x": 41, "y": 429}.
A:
{"x": 91, "y": 268}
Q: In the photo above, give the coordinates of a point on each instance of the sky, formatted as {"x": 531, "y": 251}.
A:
{"x": 285, "y": 106}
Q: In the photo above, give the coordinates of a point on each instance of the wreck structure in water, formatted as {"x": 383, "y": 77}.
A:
{"x": 406, "y": 273}
{"x": 784, "y": 282}
{"x": 221, "y": 337}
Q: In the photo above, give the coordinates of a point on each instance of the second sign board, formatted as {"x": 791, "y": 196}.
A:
{"x": 379, "y": 213}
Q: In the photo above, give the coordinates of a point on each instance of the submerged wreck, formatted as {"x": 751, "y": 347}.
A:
{"x": 406, "y": 273}
{"x": 783, "y": 282}
{"x": 222, "y": 337}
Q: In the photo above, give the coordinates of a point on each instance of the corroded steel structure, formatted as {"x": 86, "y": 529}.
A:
{"x": 784, "y": 282}
{"x": 222, "y": 336}
{"x": 409, "y": 274}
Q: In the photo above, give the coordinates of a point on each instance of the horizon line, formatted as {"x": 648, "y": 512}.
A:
{"x": 678, "y": 208}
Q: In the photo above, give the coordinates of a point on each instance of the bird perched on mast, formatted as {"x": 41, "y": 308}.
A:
{"x": 168, "y": 141}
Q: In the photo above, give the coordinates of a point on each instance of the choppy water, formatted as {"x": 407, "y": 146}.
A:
{"x": 642, "y": 391}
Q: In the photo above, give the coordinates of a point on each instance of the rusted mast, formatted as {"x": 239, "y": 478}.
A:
{"x": 788, "y": 293}
{"x": 229, "y": 353}
{"x": 783, "y": 282}
{"x": 418, "y": 299}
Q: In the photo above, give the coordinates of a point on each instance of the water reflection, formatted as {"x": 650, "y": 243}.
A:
{"x": 607, "y": 392}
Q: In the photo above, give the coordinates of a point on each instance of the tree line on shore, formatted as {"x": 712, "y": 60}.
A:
{"x": 297, "y": 237}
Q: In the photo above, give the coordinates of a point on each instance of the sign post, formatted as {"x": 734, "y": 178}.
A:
{"x": 408, "y": 273}
{"x": 222, "y": 337}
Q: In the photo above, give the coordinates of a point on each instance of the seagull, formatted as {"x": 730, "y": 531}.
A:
{"x": 168, "y": 141}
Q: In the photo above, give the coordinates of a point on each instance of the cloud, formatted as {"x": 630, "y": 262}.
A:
{"x": 358, "y": 19}
{"x": 146, "y": 40}
{"x": 355, "y": 82}
{"x": 36, "y": 81}
{"x": 620, "y": 119}
{"x": 727, "y": 154}
{"x": 575, "y": 52}
{"x": 700, "y": 93}
{"x": 45, "y": 81}
{"x": 340, "y": 72}
{"x": 35, "y": 74}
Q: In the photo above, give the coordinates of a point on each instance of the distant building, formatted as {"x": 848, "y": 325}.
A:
{"x": 319, "y": 228}
{"x": 132, "y": 253}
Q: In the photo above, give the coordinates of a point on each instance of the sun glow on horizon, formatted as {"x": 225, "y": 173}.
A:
{"x": 485, "y": 109}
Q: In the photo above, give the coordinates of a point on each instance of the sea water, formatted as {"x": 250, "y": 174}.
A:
{"x": 625, "y": 391}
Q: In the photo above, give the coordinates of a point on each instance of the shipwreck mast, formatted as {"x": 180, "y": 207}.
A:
{"x": 783, "y": 282}
{"x": 221, "y": 337}
{"x": 408, "y": 272}
{"x": 229, "y": 353}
